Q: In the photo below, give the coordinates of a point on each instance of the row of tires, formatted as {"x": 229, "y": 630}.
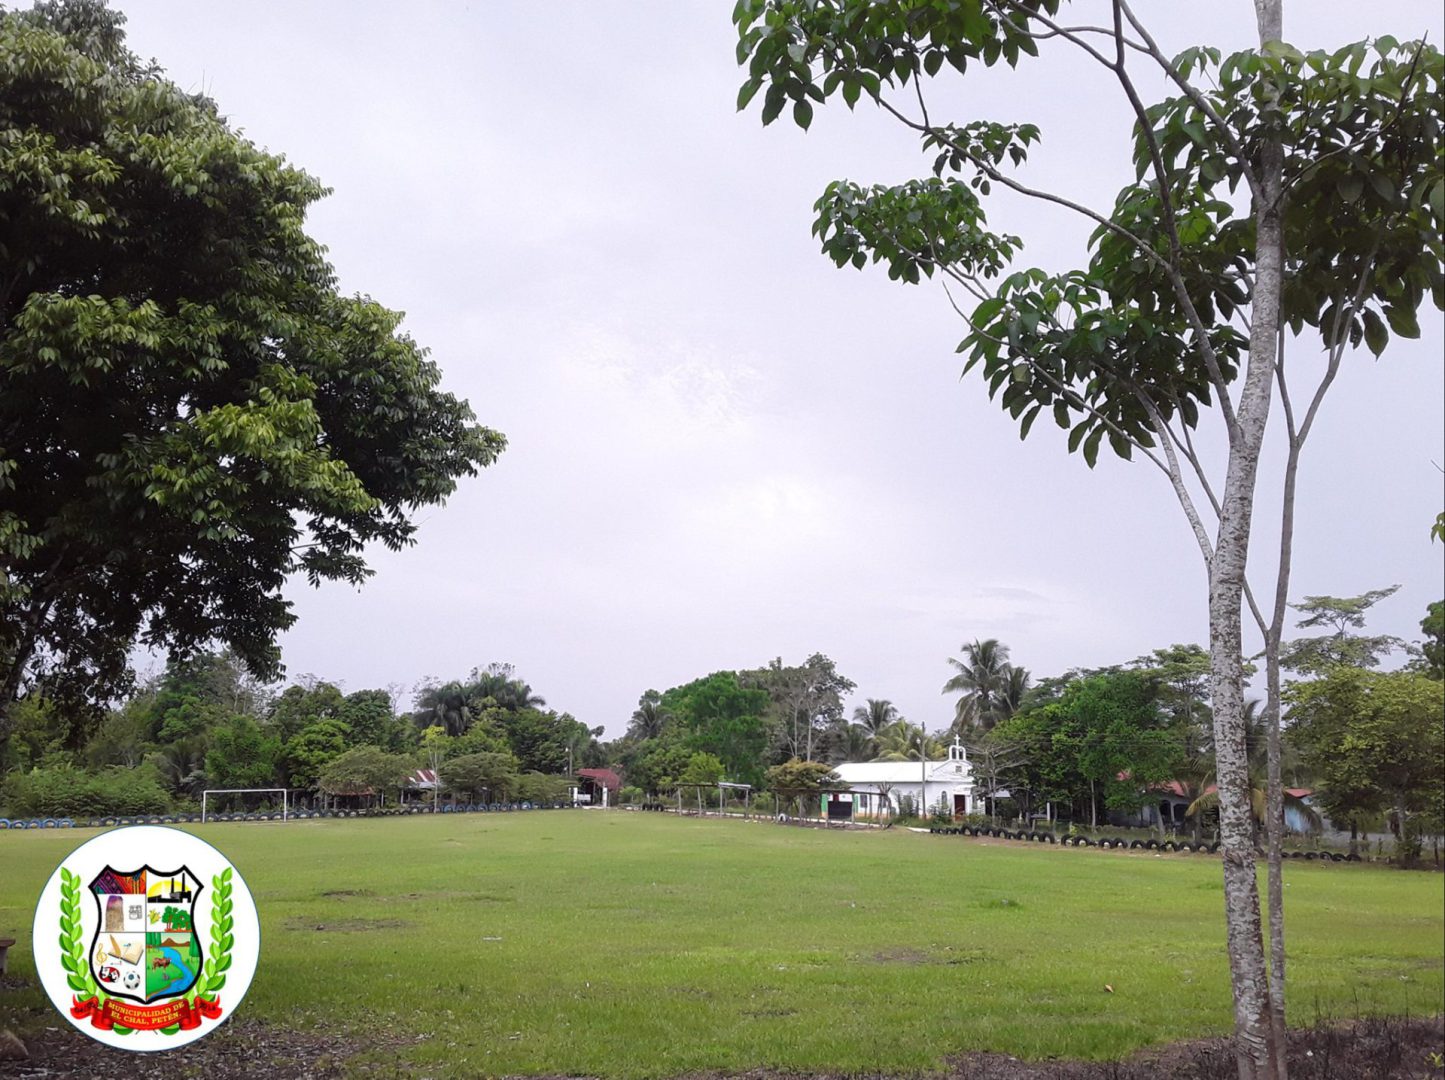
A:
{"x": 1120, "y": 843}
{"x": 179, "y": 819}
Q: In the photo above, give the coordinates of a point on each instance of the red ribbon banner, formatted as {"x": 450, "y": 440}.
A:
{"x": 111, "y": 1013}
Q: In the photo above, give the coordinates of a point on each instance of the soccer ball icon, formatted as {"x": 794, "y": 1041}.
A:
{"x": 131, "y": 980}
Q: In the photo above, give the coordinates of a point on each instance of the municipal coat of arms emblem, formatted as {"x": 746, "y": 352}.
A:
{"x": 145, "y": 947}
{"x": 154, "y": 924}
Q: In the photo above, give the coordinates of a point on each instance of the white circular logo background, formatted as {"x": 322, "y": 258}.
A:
{"x": 146, "y": 938}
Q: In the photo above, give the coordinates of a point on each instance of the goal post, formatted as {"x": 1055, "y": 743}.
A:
{"x": 245, "y": 791}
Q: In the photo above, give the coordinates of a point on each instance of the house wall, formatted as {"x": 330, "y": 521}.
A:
{"x": 934, "y": 791}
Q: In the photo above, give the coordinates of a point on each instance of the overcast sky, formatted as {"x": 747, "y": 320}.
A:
{"x": 722, "y": 449}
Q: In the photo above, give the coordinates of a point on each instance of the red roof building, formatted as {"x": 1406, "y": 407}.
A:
{"x": 601, "y": 778}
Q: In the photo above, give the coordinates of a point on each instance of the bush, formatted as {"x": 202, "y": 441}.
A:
{"x": 63, "y": 791}
{"x": 630, "y": 796}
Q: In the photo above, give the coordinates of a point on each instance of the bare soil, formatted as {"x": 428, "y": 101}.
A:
{"x": 1383, "y": 1048}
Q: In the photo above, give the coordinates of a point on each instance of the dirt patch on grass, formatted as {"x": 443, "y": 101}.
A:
{"x": 238, "y": 1050}
{"x": 1381, "y": 1048}
{"x": 344, "y": 926}
{"x": 945, "y": 954}
{"x": 1385, "y": 1048}
{"x": 344, "y": 894}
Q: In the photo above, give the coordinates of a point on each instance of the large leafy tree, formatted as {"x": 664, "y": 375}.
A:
{"x": 364, "y": 770}
{"x": 488, "y": 775}
{"x": 190, "y": 411}
{"x": 1374, "y": 740}
{"x": 241, "y": 755}
{"x": 804, "y": 701}
{"x": 721, "y": 716}
{"x": 1106, "y": 740}
{"x": 1277, "y": 195}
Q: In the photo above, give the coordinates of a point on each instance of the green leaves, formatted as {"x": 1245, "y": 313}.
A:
{"x": 912, "y": 227}
{"x": 815, "y": 48}
{"x": 1113, "y": 348}
{"x": 1376, "y": 336}
{"x": 191, "y": 411}
{"x": 72, "y": 945}
{"x": 211, "y": 978}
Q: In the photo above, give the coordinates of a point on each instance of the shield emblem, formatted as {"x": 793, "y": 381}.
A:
{"x": 145, "y": 947}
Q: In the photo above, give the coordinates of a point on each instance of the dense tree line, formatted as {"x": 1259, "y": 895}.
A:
{"x": 1082, "y": 747}
{"x": 205, "y": 723}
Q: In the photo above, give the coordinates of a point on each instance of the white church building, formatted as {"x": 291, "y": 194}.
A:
{"x": 948, "y": 782}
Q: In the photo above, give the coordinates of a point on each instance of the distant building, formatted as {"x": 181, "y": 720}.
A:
{"x": 947, "y": 783}
{"x": 598, "y": 787}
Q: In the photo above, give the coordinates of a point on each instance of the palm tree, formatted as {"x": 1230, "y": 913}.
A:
{"x": 876, "y": 715}
{"x": 852, "y": 743}
{"x": 1254, "y": 735}
{"x": 1011, "y": 693}
{"x": 500, "y": 683}
{"x": 979, "y": 678}
{"x": 900, "y": 741}
{"x": 447, "y": 705}
{"x": 649, "y": 718}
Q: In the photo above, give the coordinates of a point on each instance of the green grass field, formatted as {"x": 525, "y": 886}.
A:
{"x": 624, "y": 945}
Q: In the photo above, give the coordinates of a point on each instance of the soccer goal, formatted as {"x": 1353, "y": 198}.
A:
{"x": 285, "y": 807}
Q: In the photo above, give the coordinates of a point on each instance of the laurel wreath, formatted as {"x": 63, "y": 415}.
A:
{"x": 72, "y": 945}
{"x": 72, "y": 942}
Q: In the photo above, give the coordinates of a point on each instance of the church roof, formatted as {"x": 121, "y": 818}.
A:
{"x": 901, "y": 772}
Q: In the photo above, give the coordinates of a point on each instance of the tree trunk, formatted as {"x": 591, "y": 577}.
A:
{"x": 1255, "y": 1038}
{"x": 1274, "y": 813}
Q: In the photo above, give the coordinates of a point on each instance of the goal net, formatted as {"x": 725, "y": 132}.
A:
{"x": 285, "y": 805}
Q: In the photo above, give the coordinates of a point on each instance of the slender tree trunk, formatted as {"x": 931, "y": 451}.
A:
{"x": 1254, "y": 1034}
{"x": 1270, "y": 242}
{"x": 1274, "y": 827}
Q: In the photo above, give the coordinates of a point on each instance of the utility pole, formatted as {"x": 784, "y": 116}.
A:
{"x": 923, "y": 770}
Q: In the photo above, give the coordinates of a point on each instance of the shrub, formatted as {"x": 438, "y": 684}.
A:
{"x": 64, "y": 791}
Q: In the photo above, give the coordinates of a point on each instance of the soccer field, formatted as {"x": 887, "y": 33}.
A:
{"x": 624, "y": 944}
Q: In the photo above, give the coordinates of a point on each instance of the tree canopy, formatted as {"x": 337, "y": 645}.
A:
{"x": 190, "y": 411}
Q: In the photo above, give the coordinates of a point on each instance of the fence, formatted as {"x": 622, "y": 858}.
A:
{"x": 294, "y": 815}
{"x": 1121, "y": 843}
